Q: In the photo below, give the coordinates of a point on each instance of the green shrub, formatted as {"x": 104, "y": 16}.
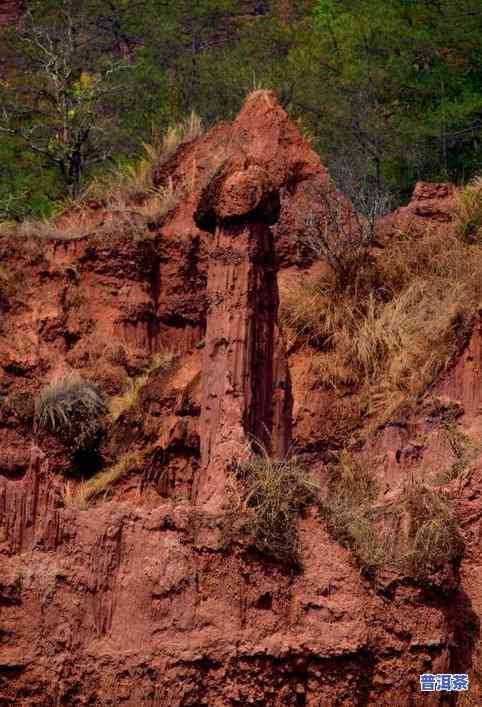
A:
{"x": 71, "y": 408}
{"x": 269, "y": 496}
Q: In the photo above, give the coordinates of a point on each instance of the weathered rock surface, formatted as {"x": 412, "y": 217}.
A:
{"x": 135, "y": 600}
{"x": 431, "y": 204}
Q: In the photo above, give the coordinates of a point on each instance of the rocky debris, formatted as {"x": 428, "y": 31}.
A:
{"x": 135, "y": 599}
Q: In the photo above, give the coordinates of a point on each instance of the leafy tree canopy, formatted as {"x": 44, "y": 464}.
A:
{"x": 391, "y": 88}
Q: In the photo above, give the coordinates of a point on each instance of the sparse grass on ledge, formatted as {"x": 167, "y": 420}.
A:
{"x": 347, "y": 511}
{"x": 463, "y": 449}
{"x": 162, "y": 149}
{"x": 119, "y": 404}
{"x": 102, "y": 482}
{"x": 45, "y": 230}
{"x": 415, "y": 534}
{"x": 127, "y": 192}
{"x": 267, "y": 497}
{"x": 432, "y": 537}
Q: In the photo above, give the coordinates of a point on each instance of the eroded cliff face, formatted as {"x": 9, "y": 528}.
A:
{"x": 135, "y": 599}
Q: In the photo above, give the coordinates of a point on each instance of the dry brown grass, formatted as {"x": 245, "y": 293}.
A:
{"x": 135, "y": 221}
{"x": 127, "y": 192}
{"x": 400, "y": 327}
{"x": 161, "y": 149}
{"x": 347, "y": 511}
{"x": 416, "y": 533}
{"x": 468, "y": 210}
{"x": 45, "y": 230}
{"x": 267, "y": 497}
{"x": 131, "y": 187}
{"x": 464, "y": 451}
{"x": 163, "y": 360}
{"x": 432, "y": 538}
{"x": 101, "y": 483}
{"x": 161, "y": 202}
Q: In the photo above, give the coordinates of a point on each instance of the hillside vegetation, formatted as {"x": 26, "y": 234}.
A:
{"x": 390, "y": 92}
{"x": 397, "y": 322}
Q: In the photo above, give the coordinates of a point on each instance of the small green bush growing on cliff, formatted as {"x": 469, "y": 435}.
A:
{"x": 71, "y": 408}
{"x": 268, "y": 495}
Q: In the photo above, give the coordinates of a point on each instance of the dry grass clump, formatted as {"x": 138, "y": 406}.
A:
{"x": 257, "y": 91}
{"x": 432, "y": 537}
{"x": 136, "y": 221}
{"x": 162, "y": 361}
{"x": 268, "y": 495}
{"x": 393, "y": 332}
{"x": 400, "y": 347}
{"x": 315, "y": 310}
{"x": 128, "y": 193}
{"x": 416, "y": 534}
{"x": 101, "y": 482}
{"x": 468, "y": 210}
{"x": 163, "y": 148}
{"x": 463, "y": 449}
{"x": 71, "y": 408}
{"x": 347, "y": 511}
{"x": 45, "y": 230}
{"x": 160, "y": 202}
{"x": 131, "y": 186}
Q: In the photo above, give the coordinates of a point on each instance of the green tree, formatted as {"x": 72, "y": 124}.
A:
{"x": 60, "y": 110}
{"x": 396, "y": 84}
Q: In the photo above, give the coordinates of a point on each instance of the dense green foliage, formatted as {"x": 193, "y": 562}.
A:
{"x": 390, "y": 90}
{"x": 403, "y": 79}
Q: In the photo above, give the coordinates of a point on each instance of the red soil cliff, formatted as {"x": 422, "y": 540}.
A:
{"x": 135, "y": 600}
